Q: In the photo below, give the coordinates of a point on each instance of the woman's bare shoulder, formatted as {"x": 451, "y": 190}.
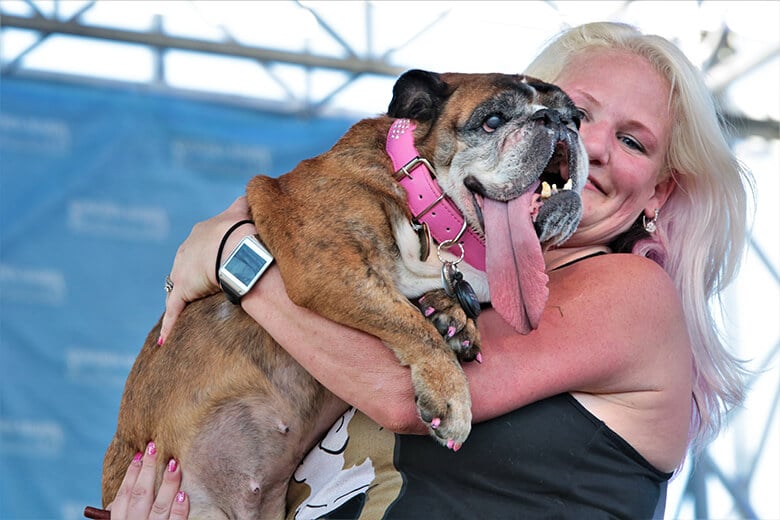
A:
{"x": 616, "y": 275}
{"x": 632, "y": 304}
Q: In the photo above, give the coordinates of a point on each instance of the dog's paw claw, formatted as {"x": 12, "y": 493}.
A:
{"x": 456, "y": 328}
{"x": 443, "y": 399}
{"x": 454, "y": 446}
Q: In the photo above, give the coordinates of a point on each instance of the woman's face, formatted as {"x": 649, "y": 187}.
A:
{"x": 626, "y": 128}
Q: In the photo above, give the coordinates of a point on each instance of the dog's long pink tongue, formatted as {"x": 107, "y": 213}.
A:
{"x": 514, "y": 262}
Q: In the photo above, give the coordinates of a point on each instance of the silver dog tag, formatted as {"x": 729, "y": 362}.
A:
{"x": 448, "y": 270}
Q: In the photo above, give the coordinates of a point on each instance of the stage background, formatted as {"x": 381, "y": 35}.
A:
{"x": 122, "y": 123}
{"x": 98, "y": 187}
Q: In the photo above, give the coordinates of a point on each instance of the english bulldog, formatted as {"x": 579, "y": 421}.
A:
{"x": 450, "y": 196}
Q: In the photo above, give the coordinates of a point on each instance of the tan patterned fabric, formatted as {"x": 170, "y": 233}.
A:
{"x": 355, "y": 457}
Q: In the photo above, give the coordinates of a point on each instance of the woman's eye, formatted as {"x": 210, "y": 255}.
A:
{"x": 582, "y": 114}
{"x": 492, "y": 123}
{"x": 632, "y": 143}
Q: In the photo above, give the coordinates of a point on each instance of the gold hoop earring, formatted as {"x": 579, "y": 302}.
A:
{"x": 650, "y": 226}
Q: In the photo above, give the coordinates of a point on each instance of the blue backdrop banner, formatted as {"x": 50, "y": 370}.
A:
{"x": 98, "y": 187}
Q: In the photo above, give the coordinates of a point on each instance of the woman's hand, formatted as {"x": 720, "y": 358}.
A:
{"x": 136, "y": 500}
{"x": 193, "y": 268}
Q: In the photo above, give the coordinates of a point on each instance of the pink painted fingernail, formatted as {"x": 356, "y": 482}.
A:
{"x": 159, "y": 341}
{"x": 479, "y": 357}
{"x": 151, "y": 448}
{"x": 450, "y": 443}
{"x": 172, "y": 465}
{"x": 456, "y": 446}
{"x": 138, "y": 456}
{"x": 429, "y": 311}
{"x": 435, "y": 423}
{"x": 450, "y": 332}
{"x": 466, "y": 343}
{"x": 180, "y": 496}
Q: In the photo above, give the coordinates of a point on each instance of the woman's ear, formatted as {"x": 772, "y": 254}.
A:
{"x": 663, "y": 191}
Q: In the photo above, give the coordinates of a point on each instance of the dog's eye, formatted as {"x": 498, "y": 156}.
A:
{"x": 492, "y": 122}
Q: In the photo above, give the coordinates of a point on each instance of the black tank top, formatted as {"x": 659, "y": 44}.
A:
{"x": 549, "y": 459}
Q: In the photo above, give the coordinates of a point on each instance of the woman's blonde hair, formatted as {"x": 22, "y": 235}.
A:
{"x": 701, "y": 232}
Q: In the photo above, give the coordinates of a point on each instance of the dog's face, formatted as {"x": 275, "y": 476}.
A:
{"x": 495, "y": 136}
{"x": 507, "y": 152}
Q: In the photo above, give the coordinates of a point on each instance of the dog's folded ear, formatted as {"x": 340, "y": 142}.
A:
{"x": 419, "y": 95}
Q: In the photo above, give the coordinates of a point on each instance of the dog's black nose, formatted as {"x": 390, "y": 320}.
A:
{"x": 548, "y": 115}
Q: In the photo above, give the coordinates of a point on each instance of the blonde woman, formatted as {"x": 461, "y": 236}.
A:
{"x": 589, "y": 415}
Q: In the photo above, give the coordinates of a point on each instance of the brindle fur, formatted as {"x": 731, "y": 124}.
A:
{"x": 222, "y": 397}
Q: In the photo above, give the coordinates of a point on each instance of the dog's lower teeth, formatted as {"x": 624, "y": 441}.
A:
{"x": 546, "y": 190}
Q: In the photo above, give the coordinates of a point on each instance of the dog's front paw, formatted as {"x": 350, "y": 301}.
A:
{"x": 443, "y": 399}
{"x": 458, "y": 330}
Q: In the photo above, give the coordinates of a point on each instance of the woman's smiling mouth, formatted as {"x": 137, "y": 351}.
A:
{"x": 591, "y": 184}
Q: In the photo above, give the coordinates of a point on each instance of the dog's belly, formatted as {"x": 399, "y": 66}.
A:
{"x": 225, "y": 400}
{"x": 415, "y": 277}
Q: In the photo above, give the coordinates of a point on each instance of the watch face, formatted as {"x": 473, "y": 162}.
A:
{"x": 244, "y": 267}
{"x": 245, "y": 264}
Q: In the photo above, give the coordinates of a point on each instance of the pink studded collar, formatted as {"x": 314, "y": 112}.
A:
{"x": 427, "y": 203}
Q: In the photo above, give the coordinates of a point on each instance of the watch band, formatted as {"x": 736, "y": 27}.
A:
{"x": 230, "y": 294}
{"x": 222, "y": 245}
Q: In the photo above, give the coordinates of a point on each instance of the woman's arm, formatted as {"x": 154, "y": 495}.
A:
{"x": 607, "y": 320}
{"x": 601, "y": 316}
{"x": 352, "y": 364}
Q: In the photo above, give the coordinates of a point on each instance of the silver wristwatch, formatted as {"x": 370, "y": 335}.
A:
{"x": 243, "y": 268}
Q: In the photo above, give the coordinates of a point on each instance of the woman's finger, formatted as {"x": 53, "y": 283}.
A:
{"x": 121, "y": 501}
{"x": 166, "y": 496}
{"x": 142, "y": 493}
{"x": 180, "y": 509}
{"x": 174, "y": 305}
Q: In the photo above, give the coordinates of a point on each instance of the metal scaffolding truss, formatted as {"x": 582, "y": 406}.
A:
{"x": 156, "y": 39}
{"x": 351, "y": 63}
{"x": 723, "y": 63}
{"x": 347, "y": 63}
